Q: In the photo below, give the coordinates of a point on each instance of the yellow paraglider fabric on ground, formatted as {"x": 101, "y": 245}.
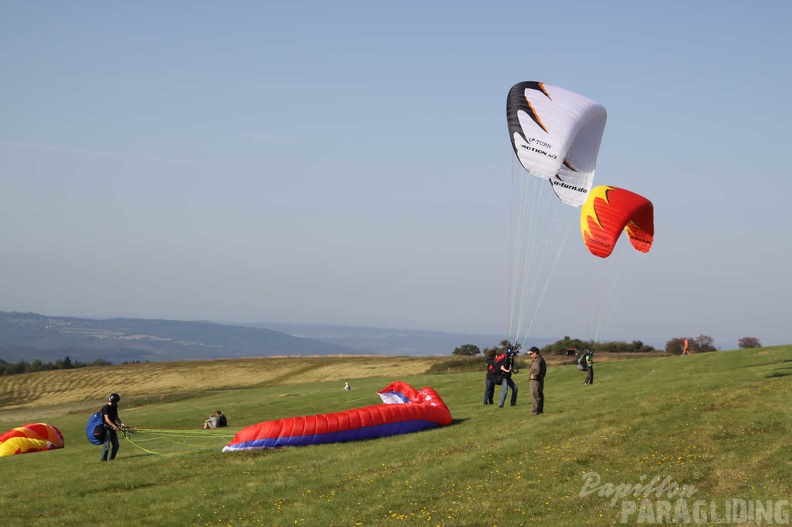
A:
{"x": 34, "y": 437}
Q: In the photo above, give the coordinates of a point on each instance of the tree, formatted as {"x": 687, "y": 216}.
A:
{"x": 703, "y": 343}
{"x": 467, "y": 350}
{"x": 749, "y": 342}
{"x": 64, "y": 364}
{"x": 560, "y": 347}
{"x": 37, "y": 365}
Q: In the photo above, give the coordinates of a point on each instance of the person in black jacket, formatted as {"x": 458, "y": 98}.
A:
{"x": 215, "y": 421}
{"x": 492, "y": 378}
{"x": 112, "y": 424}
{"x": 505, "y": 370}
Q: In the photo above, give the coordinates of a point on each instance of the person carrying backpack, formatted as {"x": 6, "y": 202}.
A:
{"x": 112, "y": 424}
{"x": 589, "y": 362}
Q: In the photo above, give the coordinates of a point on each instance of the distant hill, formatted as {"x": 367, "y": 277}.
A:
{"x": 394, "y": 341}
{"x": 29, "y": 336}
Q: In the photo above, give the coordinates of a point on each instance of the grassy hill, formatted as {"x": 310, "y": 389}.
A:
{"x": 717, "y": 424}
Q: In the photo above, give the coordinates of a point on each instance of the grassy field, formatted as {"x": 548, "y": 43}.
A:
{"x": 717, "y": 425}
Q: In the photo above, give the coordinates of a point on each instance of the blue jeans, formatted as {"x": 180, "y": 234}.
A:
{"x": 508, "y": 383}
{"x": 112, "y": 438}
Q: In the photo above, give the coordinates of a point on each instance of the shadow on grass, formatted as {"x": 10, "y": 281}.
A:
{"x": 763, "y": 364}
{"x": 778, "y": 374}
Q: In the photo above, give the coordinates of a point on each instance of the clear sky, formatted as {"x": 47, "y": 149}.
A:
{"x": 349, "y": 163}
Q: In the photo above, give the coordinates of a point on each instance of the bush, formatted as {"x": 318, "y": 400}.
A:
{"x": 749, "y": 342}
{"x": 467, "y": 350}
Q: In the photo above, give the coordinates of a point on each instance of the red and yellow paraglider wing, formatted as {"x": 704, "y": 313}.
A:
{"x": 34, "y": 437}
{"x": 640, "y": 229}
{"x": 610, "y": 210}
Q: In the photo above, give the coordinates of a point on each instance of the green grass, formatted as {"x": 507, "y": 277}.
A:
{"x": 719, "y": 422}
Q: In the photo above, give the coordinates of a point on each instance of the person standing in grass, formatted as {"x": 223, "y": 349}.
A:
{"x": 491, "y": 379}
{"x": 112, "y": 423}
{"x": 589, "y": 367}
{"x": 505, "y": 370}
{"x": 536, "y": 375}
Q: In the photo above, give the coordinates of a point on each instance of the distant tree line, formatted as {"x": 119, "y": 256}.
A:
{"x": 37, "y": 365}
{"x": 704, "y": 343}
{"x": 565, "y": 346}
{"x": 570, "y": 346}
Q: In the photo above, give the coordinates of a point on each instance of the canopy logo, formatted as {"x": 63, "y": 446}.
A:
{"x": 538, "y": 151}
{"x": 532, "y": 140}
{"x": 559, "y": 183}
{"x": 666, "y": 502}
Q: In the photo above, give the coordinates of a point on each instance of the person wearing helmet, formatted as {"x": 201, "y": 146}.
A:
{"x": 112, "y": 423}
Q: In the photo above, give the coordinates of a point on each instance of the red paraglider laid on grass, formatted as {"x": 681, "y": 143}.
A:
{"x": 405, "y": 411}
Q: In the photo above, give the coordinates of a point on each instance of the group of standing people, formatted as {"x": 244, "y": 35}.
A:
{"x": 500, "y": 369}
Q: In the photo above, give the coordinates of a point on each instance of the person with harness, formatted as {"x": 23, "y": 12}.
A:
{"x": 112, "y": 424}
{"x": 505, "y": 367}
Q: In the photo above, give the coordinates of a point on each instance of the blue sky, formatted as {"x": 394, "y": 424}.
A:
{"x": 348, "y": 162}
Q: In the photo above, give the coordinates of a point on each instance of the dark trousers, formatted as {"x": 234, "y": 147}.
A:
{"x": 590, "y": 376}
{"x": 489, "y": 391}
{"x": 537, "y": 396}
{"x": 112, "y": 439}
